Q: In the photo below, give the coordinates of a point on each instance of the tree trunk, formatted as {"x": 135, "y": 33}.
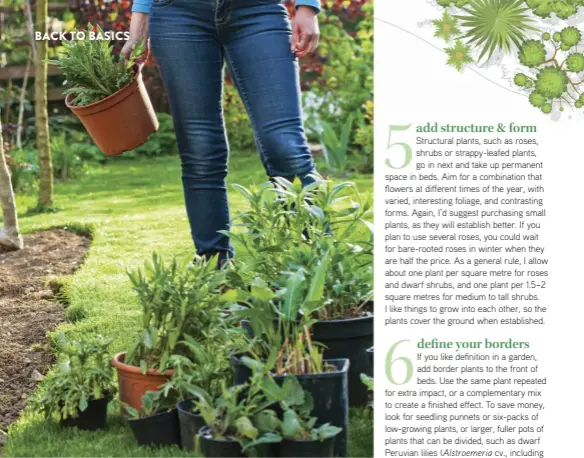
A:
{"x": 21, "y": 103}
{"x": 41, "y": 113}
{"x": 9, "y": 236}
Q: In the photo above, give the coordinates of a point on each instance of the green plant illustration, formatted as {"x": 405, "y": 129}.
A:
{"x": 459, "y": 55}
{"x": 553, "y": 67}
{"x": 474, "y": 30}
{"x": 495, "y": 25}
{"x": 446, "y": 27}
{"x": 563, "y": 9}
{"x": 487, "y": 25}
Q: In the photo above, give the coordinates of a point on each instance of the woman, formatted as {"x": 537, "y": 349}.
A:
{"x": 191, "y": 40}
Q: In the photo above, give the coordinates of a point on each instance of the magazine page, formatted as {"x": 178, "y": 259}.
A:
{"x": 186, "y": 228}
{"x": 290, "y": 228}
{"x": 477, "y": 228}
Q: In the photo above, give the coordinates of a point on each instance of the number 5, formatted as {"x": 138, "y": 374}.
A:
{"x": 407, "y": 148}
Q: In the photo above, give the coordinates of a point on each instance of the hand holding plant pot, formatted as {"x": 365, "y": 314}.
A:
{"x": 107, "y": 94}
{"x": 77, "y": 391}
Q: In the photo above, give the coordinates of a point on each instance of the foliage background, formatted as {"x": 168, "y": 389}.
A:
{"x": 337, "y": 82}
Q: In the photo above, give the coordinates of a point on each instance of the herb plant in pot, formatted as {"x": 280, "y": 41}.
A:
{"x": 106, "y": 94}
{"x": 78, "y": 390}
{"x": 159, "y": 421}
{"x": 180, "y": 301}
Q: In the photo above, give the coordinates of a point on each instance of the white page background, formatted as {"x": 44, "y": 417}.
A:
{"x": 413, "y": 85}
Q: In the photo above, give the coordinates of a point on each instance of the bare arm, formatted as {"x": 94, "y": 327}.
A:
{"x": 138, "y": 29}
{"x": 305, "y": 31}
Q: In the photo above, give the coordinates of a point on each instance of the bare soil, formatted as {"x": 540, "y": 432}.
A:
{"x": 28, "y": 310}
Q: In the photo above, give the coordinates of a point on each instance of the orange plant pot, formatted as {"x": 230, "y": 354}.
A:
{"x": 121, "y": 122}
{"x": 134, "y": 384}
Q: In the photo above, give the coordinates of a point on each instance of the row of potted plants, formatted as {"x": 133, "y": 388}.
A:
{"x": 216, "y": 346}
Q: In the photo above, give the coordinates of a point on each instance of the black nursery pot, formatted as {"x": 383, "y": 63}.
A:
{"x": 329, "y": 391}
{"x": 158, "y": 430}
{"x": 92, "y": 418}
{"x": 190, "y": 424}
{"x": 218, "y": 448}
{"x": 301, "y": 449}
{"x": 241, "y": 373}
{"x": 349, "y": 339}
{"x": 370, "y": 355}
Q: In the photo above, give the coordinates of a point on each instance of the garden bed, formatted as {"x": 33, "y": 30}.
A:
{"x": 27, "y": 312}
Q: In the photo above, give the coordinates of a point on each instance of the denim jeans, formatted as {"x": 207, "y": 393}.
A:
{"x": 191, "y": 40}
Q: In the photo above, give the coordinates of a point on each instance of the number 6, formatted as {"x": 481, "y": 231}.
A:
{"x": 390, "y": 361}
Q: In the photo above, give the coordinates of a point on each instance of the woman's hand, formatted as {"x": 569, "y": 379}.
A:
{"x": 138, "y": 29}
{"x": 305, "y": 32}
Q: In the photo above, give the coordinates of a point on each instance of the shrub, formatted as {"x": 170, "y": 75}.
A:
{"x": 335, "y": 146}
{"x": 24, "y": 169}
{"x": 181, "y": 305}
{"x": 67, "y": 163}
{"x": 239, "y": 129}
{"x": 345, "y": 86}
{"x": 84, "y": 375}
{"x": 161, "y": 143}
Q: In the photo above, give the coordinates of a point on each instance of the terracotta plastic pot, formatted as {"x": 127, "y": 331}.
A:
{"x": 134, "y": 384}
{"x": 121, "y": 122}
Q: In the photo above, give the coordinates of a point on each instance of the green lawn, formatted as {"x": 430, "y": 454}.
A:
{"x": 133, "y": 208}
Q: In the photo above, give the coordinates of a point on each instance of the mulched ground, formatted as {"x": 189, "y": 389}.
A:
{"x": 27, "y": 313}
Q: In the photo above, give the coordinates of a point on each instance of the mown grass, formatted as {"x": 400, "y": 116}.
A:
{"x": 132, "y": 208}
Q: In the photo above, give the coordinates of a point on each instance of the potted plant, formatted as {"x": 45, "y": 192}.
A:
{"x": 208, "y": 366}
{"x": 344, "y": 324}
{"x": 291, "y": 228}
{"x": 180, "y": 303}
{"x": 156, "y": 424}
{"x": 282, "y": 345}
{"x": 78, "y": 390}
{"x": 107, "y": 94}
{"x": 238, "y": 423}
{"x": 301, "y": 437}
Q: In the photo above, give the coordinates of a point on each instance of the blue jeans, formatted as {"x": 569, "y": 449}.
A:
{"x": 191, "y": 39}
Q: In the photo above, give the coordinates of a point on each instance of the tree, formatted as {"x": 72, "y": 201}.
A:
{"x": 41, "y": 112}
{"x": 9, "y": 235}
